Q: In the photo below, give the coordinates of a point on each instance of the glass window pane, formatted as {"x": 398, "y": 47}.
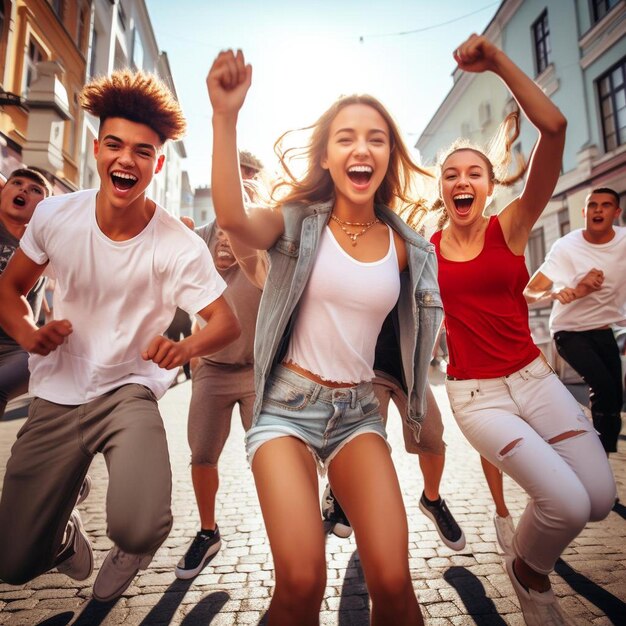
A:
{"x": 621, "y": 118}
{"x": 617, "y": 76}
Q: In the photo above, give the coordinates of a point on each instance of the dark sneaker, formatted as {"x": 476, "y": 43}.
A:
{"x": 449, "y": 531}
{"x": 117, "y": 572}
{"x": 76, "y": 557}
{"x": 198, "y": 554}
{"x": 85, "y": 488}
{"x": 334, "y": 515}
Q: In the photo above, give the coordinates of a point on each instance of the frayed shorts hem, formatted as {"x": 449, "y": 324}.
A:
{"x": 322, "y": 464}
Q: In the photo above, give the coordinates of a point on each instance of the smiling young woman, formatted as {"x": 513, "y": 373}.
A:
{"x": 505, "y": 397}
{"x": 337, "y": 251}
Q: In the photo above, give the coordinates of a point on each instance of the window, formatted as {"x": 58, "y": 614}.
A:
{"x": 541, "y": 38}
{"x": 137, "y": 50}
{"x": 536, "y": 249}
{"x": 92, "y": 58}
{"x": 601, "y": 8}
{"x": 121, "y": 16}
{"x": 564, "y": 224}
{"x": 612, "y": 100}
{"x": 34, "y": 54}
{"x": 57, "y": 7}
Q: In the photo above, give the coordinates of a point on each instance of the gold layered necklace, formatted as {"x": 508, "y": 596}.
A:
{"x": 363, "y": 226}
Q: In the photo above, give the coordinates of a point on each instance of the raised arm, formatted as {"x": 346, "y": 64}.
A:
{"x": 228, "y": 82}
{"x": 16, "y": 316}
{"x": 477, "y": 54}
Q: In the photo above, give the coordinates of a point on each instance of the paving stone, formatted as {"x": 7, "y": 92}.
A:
{"x": 454, "y": 588}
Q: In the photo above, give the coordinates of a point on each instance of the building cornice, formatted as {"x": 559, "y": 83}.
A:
{"x": 603, "y": 35}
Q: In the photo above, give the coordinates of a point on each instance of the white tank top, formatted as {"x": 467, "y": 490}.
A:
{"x": 341, "y": 312}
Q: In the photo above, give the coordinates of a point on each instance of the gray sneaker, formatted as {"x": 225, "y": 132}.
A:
{"x": 85, "y": 488}
{"x": 76, "y": 557}
{"x": 117, "y": 572}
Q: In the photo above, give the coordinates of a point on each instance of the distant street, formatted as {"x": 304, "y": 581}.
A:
{"x": 453, "y": 588}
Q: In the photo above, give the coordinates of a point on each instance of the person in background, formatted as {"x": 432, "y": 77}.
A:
{"x": 219, "y": 382}
{"x": 19, "y": 196}
{"x": 585, "y": 275}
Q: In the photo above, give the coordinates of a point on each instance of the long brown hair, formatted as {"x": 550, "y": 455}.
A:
{"x": 316, "y": 185}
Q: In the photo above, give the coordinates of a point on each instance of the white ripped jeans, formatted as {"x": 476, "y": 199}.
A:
{"x": 510, "y": 421}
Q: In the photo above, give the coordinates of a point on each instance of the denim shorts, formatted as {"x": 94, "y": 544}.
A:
{"x": 324, "y": 418}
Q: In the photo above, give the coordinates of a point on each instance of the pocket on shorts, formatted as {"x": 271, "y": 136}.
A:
{"x": 280, "y": 393}
{"x": 369, "y": 405}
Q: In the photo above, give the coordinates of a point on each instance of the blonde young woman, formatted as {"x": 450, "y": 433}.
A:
{"x": 505, "y": 397}
{"x": 341, "y": 263}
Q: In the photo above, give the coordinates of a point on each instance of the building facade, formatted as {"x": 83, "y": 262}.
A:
{"x": 576, "y": 51}
{"x": 43, "y": 51}
{"x": 48, "y": 49}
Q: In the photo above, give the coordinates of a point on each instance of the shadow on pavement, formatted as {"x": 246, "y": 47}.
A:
{"x": 60, "y": 619}
{"x": 204, "y": 612}
{"x": 620, "y": 509}
{"x": 163, "y": 611}
{"x": 610, "y": 605}
{"x": 472, "y": 593}
{"x": 94, "y": 613}
{"x": 17, "y": 413}
{"x": 354, "y": 602}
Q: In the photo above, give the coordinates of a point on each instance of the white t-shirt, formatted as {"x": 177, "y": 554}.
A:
{"x": 341, "y": 312}
{"x": 118, "y": 295}
{"x": 569, "y": 259}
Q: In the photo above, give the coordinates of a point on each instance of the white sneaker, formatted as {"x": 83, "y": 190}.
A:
{"x": 117, "y": 572}
{"x": 539, "y": 609}
{"x": 505, "y": 529}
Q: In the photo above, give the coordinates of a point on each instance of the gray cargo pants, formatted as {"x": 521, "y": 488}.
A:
{"x": 49, "y": 461}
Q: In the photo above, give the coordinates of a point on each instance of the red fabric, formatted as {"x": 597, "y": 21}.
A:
{"x": 486, "y": 316}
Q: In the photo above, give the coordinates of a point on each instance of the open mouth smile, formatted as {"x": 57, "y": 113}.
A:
{"x": 360, "y": 175}
{"x": 123, "y": 181}
{"x": 463, "y": 203}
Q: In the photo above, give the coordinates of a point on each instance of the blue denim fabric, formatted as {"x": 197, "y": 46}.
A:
{"x": 325, "y": 418}
{"x": 416, "y": 316}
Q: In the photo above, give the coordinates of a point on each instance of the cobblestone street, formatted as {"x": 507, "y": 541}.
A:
{"x": 453, "y": 588}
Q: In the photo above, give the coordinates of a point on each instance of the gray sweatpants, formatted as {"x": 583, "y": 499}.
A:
{"x": 49, "y": 461}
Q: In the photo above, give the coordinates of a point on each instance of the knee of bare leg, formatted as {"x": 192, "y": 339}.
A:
{"x": 567, "y": 435}
{"x": 302, "y": 584}
{"x": 388, "y": 585}
{"x": 510, "y": 448}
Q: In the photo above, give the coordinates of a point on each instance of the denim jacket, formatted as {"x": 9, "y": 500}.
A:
{"x": 410, "y": 329}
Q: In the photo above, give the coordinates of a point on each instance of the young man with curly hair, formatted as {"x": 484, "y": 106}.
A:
{"x": 122, "y": 265}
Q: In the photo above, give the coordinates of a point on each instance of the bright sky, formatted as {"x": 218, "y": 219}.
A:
{"x": 305, "y": 54}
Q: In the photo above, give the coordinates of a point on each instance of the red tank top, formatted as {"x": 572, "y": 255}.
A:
{"x": 486, "y": 316}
